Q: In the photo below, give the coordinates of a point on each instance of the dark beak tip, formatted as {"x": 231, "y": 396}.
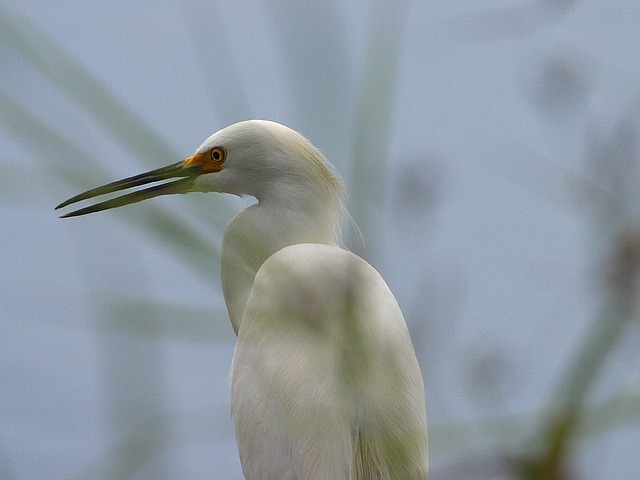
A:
{"x": 185, "y": 176}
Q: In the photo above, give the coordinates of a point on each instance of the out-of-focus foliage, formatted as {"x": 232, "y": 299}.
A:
{"x": 354, "y": 108}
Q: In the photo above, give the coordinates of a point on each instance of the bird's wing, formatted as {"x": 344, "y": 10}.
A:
{"x": 325, "y": 381}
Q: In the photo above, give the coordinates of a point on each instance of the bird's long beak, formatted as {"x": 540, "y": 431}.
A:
{"x": 188, "y": 170}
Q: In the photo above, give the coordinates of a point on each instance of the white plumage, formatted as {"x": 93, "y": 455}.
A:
{"x": 325, "y": 382}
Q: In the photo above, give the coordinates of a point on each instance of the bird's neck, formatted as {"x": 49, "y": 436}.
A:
{"x": 260, "y": 230}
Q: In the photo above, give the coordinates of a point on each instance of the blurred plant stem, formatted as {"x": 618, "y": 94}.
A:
{"x": 59, "y": 68}
{"x": 558, "y": 432}
{"x": 73, "y": 164}
{"x": 614, "y": 162}
{"x": 372, "y": 126}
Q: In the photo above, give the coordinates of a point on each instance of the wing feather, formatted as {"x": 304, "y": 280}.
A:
{"x": 326, "y": 384}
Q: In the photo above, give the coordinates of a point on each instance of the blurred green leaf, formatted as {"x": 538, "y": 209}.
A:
{"x": 500, "y": 437}
{"x": 71, "y": 78}
{"x": 141, "y": 317}
{"x": 374, "y": 112}
{"x": 153, "y": 436}
{"x": 166, "y": 228}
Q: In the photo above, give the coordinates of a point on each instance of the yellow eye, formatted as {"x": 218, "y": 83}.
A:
{"x": 218, "y": 154}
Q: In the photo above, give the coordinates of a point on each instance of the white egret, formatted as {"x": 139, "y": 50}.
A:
{"x": 325, "y": 382}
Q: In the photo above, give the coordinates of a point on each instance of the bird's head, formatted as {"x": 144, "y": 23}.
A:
{"x": 255, "y": 157}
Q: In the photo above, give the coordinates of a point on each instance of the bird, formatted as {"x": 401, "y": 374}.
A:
{"x": 325, "y": 383}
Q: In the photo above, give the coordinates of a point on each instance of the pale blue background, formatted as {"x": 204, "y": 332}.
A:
{"x": 470, "y": 192}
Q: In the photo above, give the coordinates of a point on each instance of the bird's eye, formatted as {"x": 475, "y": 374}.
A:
{"x": 218, "y": 154}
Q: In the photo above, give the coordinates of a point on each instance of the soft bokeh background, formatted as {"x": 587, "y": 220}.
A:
{"x": 492, "y": 154}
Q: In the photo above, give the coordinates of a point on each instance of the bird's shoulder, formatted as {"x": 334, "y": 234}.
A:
{"x": 320, "y": 273}
{"x": 312, "y": 283}
{"x": 311, "y": 260}
{"x": 321, "y": 322}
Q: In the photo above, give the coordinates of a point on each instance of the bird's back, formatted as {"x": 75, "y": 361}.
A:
{"x": 325, "y": 381}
